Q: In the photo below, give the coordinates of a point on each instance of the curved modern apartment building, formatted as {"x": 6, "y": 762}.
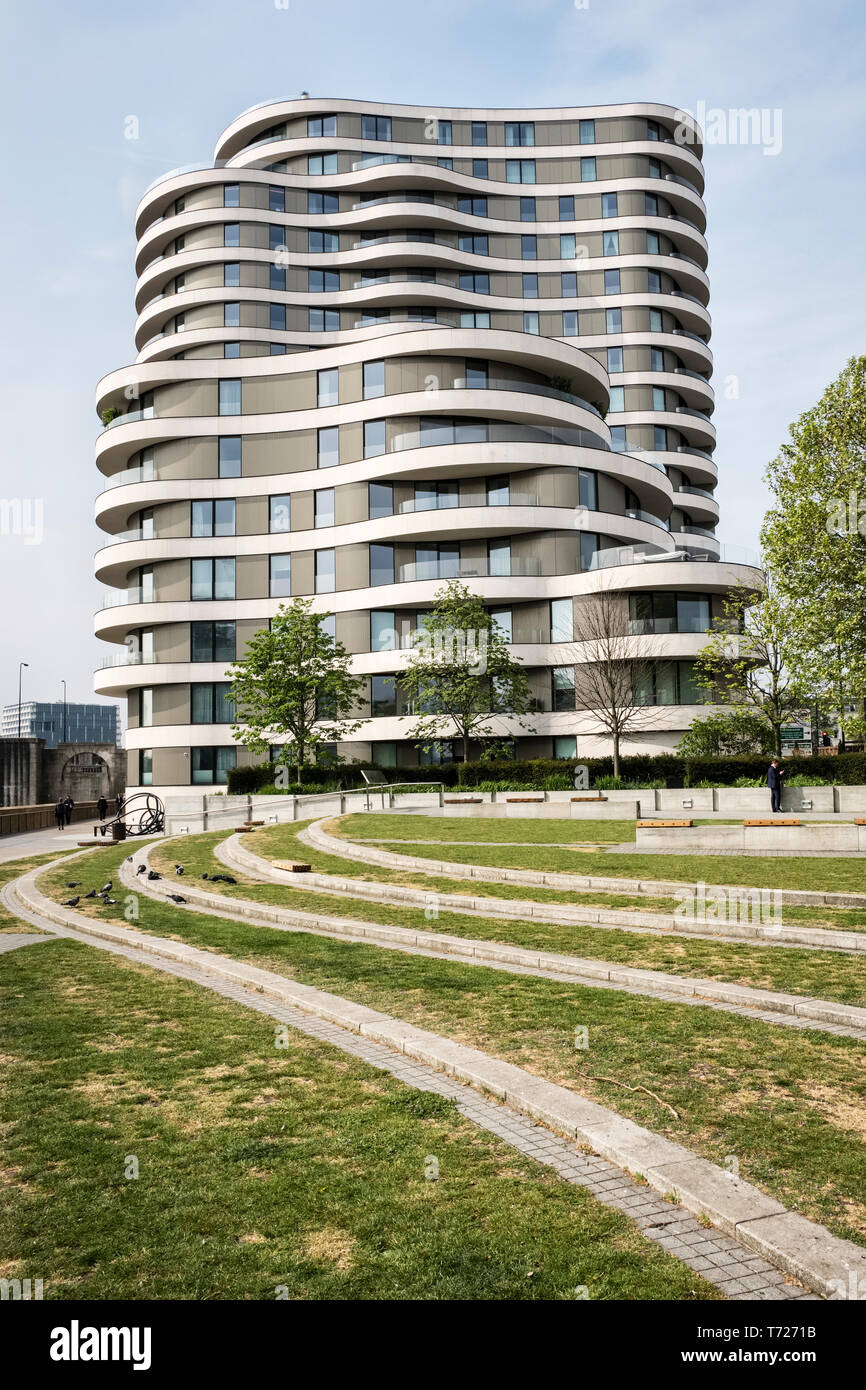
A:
{"x": 380, "y": 347}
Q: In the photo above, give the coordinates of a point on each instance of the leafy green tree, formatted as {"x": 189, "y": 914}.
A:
{"x": 814, "y": 539}
{"x": 732, "y": 733}
{"x": 461, "y": 674}
{"x": 294, "y": 681}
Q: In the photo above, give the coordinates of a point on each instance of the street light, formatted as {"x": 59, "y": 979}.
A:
{"x": 63, "y": 683}
{"x": 21, "y": 665}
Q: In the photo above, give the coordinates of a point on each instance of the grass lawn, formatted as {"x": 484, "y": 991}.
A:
{"x": 824, "y": 974}
{"x": 789, "y": 1105}
{"x": 458, "y": 830}
{"x": 261, "y": 1167}
{"x": 14, "y": 868}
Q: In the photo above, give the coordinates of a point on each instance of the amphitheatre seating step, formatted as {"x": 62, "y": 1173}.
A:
{"x": 669, "y": 824}
{"x": 292, "y": 866}
{"x": 589, "y": 798}
{"x": 787, "y": 821}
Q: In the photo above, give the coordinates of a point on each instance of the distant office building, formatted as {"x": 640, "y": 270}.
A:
{"x": 83, "y": 723}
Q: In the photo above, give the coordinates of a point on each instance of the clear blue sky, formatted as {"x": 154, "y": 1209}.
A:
{"x": 785, "y": 231}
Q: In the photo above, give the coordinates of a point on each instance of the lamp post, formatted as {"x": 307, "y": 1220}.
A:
{"x": 63, "y": 683}
{"x": 21, "y": 666}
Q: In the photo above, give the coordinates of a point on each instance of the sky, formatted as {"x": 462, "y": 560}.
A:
{"x": 785, "y": 226}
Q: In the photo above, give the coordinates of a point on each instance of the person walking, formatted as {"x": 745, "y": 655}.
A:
{"x": 101, "y": 808}
{"x": 118, "y": 802}
{"x": 69, "y": 805}
{"x": 774, "y": 782}
{"x": 60, "y": 813}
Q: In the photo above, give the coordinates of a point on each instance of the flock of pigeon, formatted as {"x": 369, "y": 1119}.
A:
{"x": 103, "y": 892}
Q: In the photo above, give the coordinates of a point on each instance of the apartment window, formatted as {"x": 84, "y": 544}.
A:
{"x": 435, "y": 754}
{"x": 561, "y": 620}
{"x": 652, "y": 243}
{"x": 444, "y": 133}
{"x": 381, "y": 564}
{"x": 609, "y": 206}
{"x": 669, "y": 612}
{"x": 502, "y": 618}
{"x": 432, "y": 496}
{"x": 614, "y": 359}
{"x": 323, "y": 281}
{"x": 529, "y": 248}
{"x": 231, "y": 349}
{"x": 568, "y": 284}
{"x": 383, "y": 696}
{"x": 651, "y": 205}
{"x": 531, "y": 323}
{"x": 212, "y": 641}
{"x": 567, "y": 246}
{"x": 383, "y": 631}
{"x": 326, "y": 571}
{"x": 324, "y": 320}
{"x": 328, "y": 625}
{"x": 479, "y": 132}
{"x": 613, "y": 320}
{"x": 323, "y": 202}
{"x": 375, "y": 127}
{"x": 231, "y": 274}
{"x": 276, "y": 349}
{"x": 473, "y": 207}
{"x": 569, "y": 323}
{"x": 145, "y": 707}
{"x": 324, "y": 506}
{"x": 588, "y": 549}
{"x": 652, "y": 130}
{"x": 498, "y": 492}
{"x": 384, "y": 754}
{"x": 660, "y": 438}
{"x": 520, "y": 171}
{"x": 655, "y": 169}
{"x": 380, "y": 500}
{"x": 657, "y": 360}
{"x": 498, "y": 557}
{"x": 530, "y": 286}
{"x": 322, "y": 164}
{"x": 327, "y": 387}
{"x": 276, "y": 277}
{"x": 145, "y": 767}
{"x": 213, "y": 517}
{"x": 566, "y": 207}
{"x": 654, "y": 282}
{"x": 668, "y": 683}
{"x": 280, "y": 513}
{"x": 322, "y": 126}
{"x": 328, "y": 455}
{"x": 374, "y": 380}
{"x": 277, "y": 320}
{"x": 519, "y": 132}
{"x": 587, "y": 132}
{"x": 655, "y": 321}
{"x": 231, "y": 315}
{"x": 617, "y": 399}
{"x": 479, "y": 169}
{"x": 317, "y": 242}
{"x": 230, "y": 398}
{"x": 527, "y": 209}
{"x": 587, "y": 169}
{"x": 146, "y": 588}
{"x": 658, "y": 398}
{"x": 475, "y": 320}
{"x": 610, "y": 243}
{"x": 276, "y": 199}
{"x": 229, "y": 454}
{"x": 374, "y": 438}
{"x": 611, "y": 282}
{"x": 232, "y": 234}
{"x": 231, "y": 195}
{"x": 211, "y": 703}
{"x": 276, "y": 238}
{"x": 475, "y": 284}
{"x": 587, "y": 489}
{"x": 562, "y": 688}
{"x": 617, "y": 439}
{"x": 210, "y": 766}
{"x": 212, "y": 578}
{"x": 476, "y": 375}
{"x": 281, "y": 576}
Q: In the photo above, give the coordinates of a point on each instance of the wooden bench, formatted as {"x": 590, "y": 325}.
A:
{"x": 251, "y": 824}
{"x": 667, "y": 824}
{"x": 291, "y": 866}
{"x": 786, "y": 821}
{"x": 589, "y": 798}
{"x": 526, "y": 800}
{"x": 860, "y": 820}
{"x": 463, "y": 800}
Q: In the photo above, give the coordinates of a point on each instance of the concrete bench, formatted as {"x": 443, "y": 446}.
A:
{"x": 668, "y": 824}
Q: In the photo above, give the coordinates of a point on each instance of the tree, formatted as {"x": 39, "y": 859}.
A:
{"x": 814, "y": 538}
{"x": 295, "y": 680}
{"x": 732, "y": 733}
{"x": 611, "y": 668}
{"x": 746, "y": 662}
{"x": 460, "y": 672}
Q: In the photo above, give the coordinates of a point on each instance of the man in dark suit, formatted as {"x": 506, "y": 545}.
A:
{"x": 774, "y": 782}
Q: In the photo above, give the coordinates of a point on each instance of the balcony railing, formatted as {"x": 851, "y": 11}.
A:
{"x": 466, "y": 569}
{"x": 440, "y": 504}
{"x": 637, "y": 514}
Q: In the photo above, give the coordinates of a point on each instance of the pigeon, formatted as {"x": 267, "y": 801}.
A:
{"x": 106, "y": 887}
{"x": 176, "y": 898}
{"x": 222, "y": 878}
{"x": 111, "y": 902}
{"x": 72, "y": 902}
{"x": 142, "y": 869}
{"x": 76, "y": 884}
{"x": 91, "y": 894}
{"x": 178, "y": 868}
{"x": 204, "y": 875}
{"x": 129, "y": 859}
{"x": 152, "y": 874}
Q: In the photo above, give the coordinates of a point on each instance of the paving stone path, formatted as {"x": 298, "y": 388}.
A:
{"x": 735, "y": 1270}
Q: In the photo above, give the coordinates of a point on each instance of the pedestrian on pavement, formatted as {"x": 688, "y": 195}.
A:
{"x": 118, "y": 802}
{"x": 774, "y": 782}
{"x": 69, "y": 805}
{"x": 101, "y": 808}
{"x": 60, "y": 813}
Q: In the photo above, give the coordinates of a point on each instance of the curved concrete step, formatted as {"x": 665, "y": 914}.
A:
{"x": 802, "y": 1248}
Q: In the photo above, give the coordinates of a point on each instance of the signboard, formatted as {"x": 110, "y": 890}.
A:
{"x": 793, "y": 733}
